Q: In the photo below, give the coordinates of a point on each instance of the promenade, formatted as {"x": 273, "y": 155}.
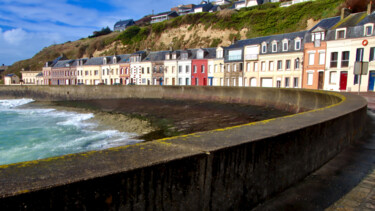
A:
{"x": 347, "y": 182}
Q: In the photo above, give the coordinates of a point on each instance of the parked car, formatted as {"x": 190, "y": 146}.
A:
{"x": 131, "y": 83}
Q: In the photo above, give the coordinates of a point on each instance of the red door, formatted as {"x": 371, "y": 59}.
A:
{"x": 343, "y": 80}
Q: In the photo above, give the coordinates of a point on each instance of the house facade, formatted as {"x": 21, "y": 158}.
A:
{"x": 173, "y": 60}
{"x": 64, "y": 73}
{"x": 11, "y": 79}
{"x": 218, "y": 63}
{"x": 233, "y": 65}
{"x": 30, "y": 78}
{"x": 91, "y": 71}
{"x": 351, "y": 40}
{"x": 315, "y": 47}
{"x": 123, "y": 24}
{"x": 163, "y": 16}
{"x": 136, "y": 68}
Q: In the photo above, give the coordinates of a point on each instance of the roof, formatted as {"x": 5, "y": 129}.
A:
{"x": 166, "y": 13}
{"x": 66, "y": 63}
{"x": 94, "y": 61}
{"x": 210, "y": 53}
{"x": 368, "y": 19}
{"x": 326, "y": 23}
{"x": 259, "y": 40}
{"x": 124, "y": 23}
{"x": 156, "y": 56}
{"x": 10, "y": 75}
{"x": 351, "y": 20}
{"x": 138, "y": 52}
{"x": 207, "y": 6}
{"x": 124, "y": 58}
{"x": 39, "y": 74}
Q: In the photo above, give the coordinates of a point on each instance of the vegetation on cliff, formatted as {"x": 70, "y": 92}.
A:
{"x": 192, "y": 31}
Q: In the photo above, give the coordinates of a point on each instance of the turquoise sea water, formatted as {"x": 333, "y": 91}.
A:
{"x": 28, "y": 133}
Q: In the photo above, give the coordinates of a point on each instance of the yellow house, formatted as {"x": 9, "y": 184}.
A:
{"x": 30, "y": 78}
{"x": 90, "y": 73}
{"x": 218, "y": 67}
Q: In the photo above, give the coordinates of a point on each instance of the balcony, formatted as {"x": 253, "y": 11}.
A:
{"x": 251, "y": 57}
{"x": 234, "y": 58}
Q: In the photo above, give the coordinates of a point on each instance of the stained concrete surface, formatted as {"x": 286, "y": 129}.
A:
{"x": 347, "y": 182}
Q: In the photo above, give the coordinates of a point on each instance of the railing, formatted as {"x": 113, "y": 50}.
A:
{"x": 233, "y": 58}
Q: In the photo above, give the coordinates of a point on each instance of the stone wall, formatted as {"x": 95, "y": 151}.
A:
{"x": 229, "y": 168}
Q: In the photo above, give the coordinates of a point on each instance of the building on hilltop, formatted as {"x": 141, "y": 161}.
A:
{"x": 222, "y": 2}
{"x": 246, "y": 3}
{"x": 163, "y": 16}
{"x": 204, "y": 7}
{"x": 183, "y": 9}
{"x": 123, "y": 24}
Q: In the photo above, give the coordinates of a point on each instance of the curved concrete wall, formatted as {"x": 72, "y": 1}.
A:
{"x": 229, "y": 168}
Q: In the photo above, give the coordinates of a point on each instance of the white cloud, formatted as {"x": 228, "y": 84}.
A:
{"x": 14, "y": 36}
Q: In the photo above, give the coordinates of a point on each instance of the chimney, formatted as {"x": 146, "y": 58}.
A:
{"x": 369, "y": 8}
{"x": 345, "y": 12}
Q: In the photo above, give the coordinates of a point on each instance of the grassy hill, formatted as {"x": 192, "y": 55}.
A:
{"x": 192, "y": 31}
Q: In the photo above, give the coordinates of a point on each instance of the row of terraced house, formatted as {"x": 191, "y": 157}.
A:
{"x": 320, "y": 58}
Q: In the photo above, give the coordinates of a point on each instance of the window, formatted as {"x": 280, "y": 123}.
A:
{"x": 271, "y": 66}
{"x": 180, "y": 69}
{"x": 322, "y": 56}
{"x": 255, "y": 66}
{"x": 219, "y": 54}
{"x": 287, "y": 64}
{"x": 187, "y": 81}
{"x": 196, "y": 81}
{"x": 279, "y": 65}
{"x": 311, "y": 58}
{"x": 372, "y": 54}
{"x": 203, "y": 68}
{"x": 234, "y": 68}
{"x": 355, "y": 79}
{"x": 296, "y": 64}
{"x": 359, "y": 55}
{"x": 274, "y": 47}
{"x": 297, "y": 45}
{"x": 310, "y": 78}
{"x": 340, "y": 34}
{"x": 210, "y": 68}
{"x": 345, "y": 59}
{"x": 264, "y": 48}
{"x": 143, "y": 70}
{"x": 286, "y": 82}
{"x": 295, "y": 82}
{"x": 187, "y": 68}
{"x": 200, "y": 54}
{"x": 332, "y": 77}
{"x": 263, "y": 67}
{"x": 228, "y": 68}
{"x": 285, "y": 45}
{"x": 368, "y": 30}
{"x": 195, "y": 68}
{"x": 179, "y": 81}
{"x": 240, "y": 67}
{"x": 148, "y": 70}
{"x": 184, "y": 56}
{"x": 334, "y": 59}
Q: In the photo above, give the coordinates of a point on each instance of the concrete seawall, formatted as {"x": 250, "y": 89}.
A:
{"x": 229, "y": 168}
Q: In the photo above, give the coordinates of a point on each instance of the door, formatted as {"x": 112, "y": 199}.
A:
{"x": 320, "y": 80}
{"x": 343, "y": 80}
{"x": 266, "y": 82}
{"x": 371, "y": 82}
{"x": 204, "y": 81}
{"x": 173, "y": 81}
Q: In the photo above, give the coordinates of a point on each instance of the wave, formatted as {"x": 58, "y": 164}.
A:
{"x": 14, "y": 103}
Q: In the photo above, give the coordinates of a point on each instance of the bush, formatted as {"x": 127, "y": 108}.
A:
{"x": 102, "y": 32}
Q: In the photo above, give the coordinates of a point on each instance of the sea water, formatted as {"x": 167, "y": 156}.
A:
{"x": 29, "y": 133}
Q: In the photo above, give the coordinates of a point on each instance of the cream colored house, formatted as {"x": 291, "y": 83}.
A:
{"x": 351, "y": 40}
{"x": 11, "y": 79}
{"x": 274, "y": 61}
{"x": 136, "y": 68}
{"x": 30, "y": 77}
{"x": 90, "y": 73}
{"x": 110, "y": 70}
{"x": 218, "y": 67}
{"x": 171, "y": 67}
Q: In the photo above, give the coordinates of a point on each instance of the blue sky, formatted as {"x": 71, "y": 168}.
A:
{"x": 27, "y": 26}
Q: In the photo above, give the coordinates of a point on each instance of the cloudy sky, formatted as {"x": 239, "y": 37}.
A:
{"x": 27, "y": 26}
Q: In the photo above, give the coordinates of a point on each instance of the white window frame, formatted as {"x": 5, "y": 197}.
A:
{"x": 310, "y": 77}
{"x": 365, "y": 29}
{"x": 340, "y": 30}
{"x": 297, "y": 40}
{"x": 274, "y": 44}
{"x": 287, "y": 45}
{"x": 264, "y": 47}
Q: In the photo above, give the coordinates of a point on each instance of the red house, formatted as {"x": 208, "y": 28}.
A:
{"x": 199, "y": 66}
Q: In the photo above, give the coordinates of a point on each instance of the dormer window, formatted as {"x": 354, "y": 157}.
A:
{"x": 297, "y": 44}
{"x": 114, "y": 60}
{"x": 285, "y": 45}
{"x": 340, "y": 34}
{"x": 184, "y": 56}
{"x": 219, "y": 54}
{"x": 174, "y": 56}
{"x": 274, "y": 46}
{"x": 369, "y": 28}
{"x": 104, "y": 60}
{"x": 167, "y": 56}
{"x": 200, "y": 54}
{"x": 264, "y": 47}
